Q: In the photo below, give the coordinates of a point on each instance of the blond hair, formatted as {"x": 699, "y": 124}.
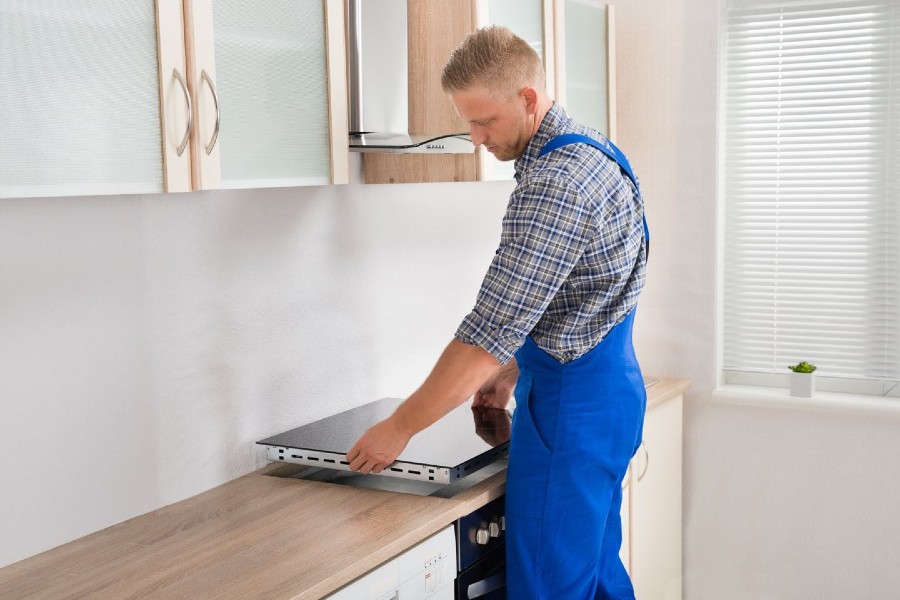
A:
{"x": 495, "y": 59}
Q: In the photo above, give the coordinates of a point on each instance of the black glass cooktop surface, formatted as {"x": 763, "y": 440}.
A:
{"x": 463, "y": 441}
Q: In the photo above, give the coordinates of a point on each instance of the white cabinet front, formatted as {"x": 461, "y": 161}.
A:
{"x": 424, "y": 572}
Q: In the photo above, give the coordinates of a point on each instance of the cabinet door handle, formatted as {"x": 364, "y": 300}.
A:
{"x": 204, "y": 76}
{"x": 190, "y": 112}
{"x": 646, "y": 461}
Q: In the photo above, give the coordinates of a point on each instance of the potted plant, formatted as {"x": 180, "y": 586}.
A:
{"x": 802, "y": 379}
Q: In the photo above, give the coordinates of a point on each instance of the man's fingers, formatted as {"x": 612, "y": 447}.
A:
{"x": 368, "y": 466}
{"x": 483, "y": 399}
{"x": 361, "y": 464}
{"x": 365, "y": 465}
{"x": 356, "y": 459}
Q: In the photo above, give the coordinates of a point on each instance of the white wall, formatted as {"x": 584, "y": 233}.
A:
{"x": 790, "y": 500}
{"x": 146, "y": 342}
{"x": 782, "y": 501}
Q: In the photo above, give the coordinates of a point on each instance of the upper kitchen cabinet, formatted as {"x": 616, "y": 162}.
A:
{"x": 149, "y": 96}
{"x": 574, "y": 39}
{"x": 433, "y": 30}
{"x": 85, "y": 89}
{"x": 269, "y": 88}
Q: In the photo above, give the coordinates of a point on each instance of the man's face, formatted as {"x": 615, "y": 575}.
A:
{"x": 504, "y": 127}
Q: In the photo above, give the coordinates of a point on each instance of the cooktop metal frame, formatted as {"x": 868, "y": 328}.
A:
{"x": 324, "y": 444}
{"x": 406, "y": 470}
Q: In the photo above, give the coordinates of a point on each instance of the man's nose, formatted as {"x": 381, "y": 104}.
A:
{"x": 478, "y": 137}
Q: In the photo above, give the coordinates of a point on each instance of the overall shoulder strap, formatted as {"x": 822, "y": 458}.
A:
{"x": 607, "y": 148}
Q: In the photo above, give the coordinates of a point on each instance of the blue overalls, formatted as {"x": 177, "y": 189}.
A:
{"x": 575, "y": 429}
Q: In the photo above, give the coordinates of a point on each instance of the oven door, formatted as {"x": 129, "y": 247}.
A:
{"x": 485, "y": 580}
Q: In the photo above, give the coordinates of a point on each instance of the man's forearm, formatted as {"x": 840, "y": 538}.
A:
{"x": 458, "y": 373}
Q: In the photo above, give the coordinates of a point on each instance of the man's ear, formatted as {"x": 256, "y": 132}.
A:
{"x": 530, "y": 95}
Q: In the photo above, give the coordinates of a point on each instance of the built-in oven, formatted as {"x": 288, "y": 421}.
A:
{"x": 481, "y": 553}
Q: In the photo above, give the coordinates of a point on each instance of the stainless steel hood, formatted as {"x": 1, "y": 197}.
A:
{"x": 382, "y": 30}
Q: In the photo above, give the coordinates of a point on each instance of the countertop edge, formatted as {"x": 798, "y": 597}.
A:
{"x": 665, "y": 390}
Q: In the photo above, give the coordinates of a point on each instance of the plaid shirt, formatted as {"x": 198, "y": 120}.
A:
{"x": 571, "y": 259}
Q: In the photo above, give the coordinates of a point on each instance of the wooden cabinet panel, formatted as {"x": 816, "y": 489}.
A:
{"x": 419, "y": 168}
{"x": 175, "y": 103}
{"x": 435, "y": 29}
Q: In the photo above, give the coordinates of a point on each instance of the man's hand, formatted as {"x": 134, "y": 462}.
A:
{"x": 493, "y": 425}
{"x": 496, "y": 391}
{"x": 459, "y": 371}
{"x": 378, "y": 447}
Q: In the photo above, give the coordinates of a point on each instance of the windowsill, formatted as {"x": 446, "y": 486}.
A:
{"x": 770, "y": 397}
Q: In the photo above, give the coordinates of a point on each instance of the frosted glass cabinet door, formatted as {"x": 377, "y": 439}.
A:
{"x": 526, "y": 19}
{"x": 585, "y": 63}
{"x": 79, "y": 98}
{"x": 273, "y": 99}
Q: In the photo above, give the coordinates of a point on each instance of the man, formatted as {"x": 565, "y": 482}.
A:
{"x": 553, "y": 321}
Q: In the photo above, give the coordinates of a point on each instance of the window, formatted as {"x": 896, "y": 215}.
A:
{"x": 811, "y": 188}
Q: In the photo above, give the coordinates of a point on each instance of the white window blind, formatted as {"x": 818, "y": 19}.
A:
{"x": 811, "y": 173}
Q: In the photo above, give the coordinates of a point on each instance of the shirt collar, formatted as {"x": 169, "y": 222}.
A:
{"x": 551, "y": 125}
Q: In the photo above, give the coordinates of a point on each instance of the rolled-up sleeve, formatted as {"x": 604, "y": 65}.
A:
{"x": 545, "y": 231}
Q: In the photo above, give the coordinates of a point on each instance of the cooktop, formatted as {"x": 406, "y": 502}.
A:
{"x": 463, "y": 441}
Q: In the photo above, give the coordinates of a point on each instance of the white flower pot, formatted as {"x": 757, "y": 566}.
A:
{"x": 803, "y": 384}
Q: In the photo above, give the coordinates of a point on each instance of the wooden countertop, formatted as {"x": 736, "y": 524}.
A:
{"x": 262, "y": 535}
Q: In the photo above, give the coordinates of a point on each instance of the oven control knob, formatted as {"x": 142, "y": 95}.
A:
{"x": 503, "y": 523}
{"x": 482, "y": 536}
{"x": 494, "y": 530}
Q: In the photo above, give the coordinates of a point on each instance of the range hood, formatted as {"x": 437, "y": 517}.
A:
{"x": 411, "y": 143}
{"x": 382, "y": 30}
